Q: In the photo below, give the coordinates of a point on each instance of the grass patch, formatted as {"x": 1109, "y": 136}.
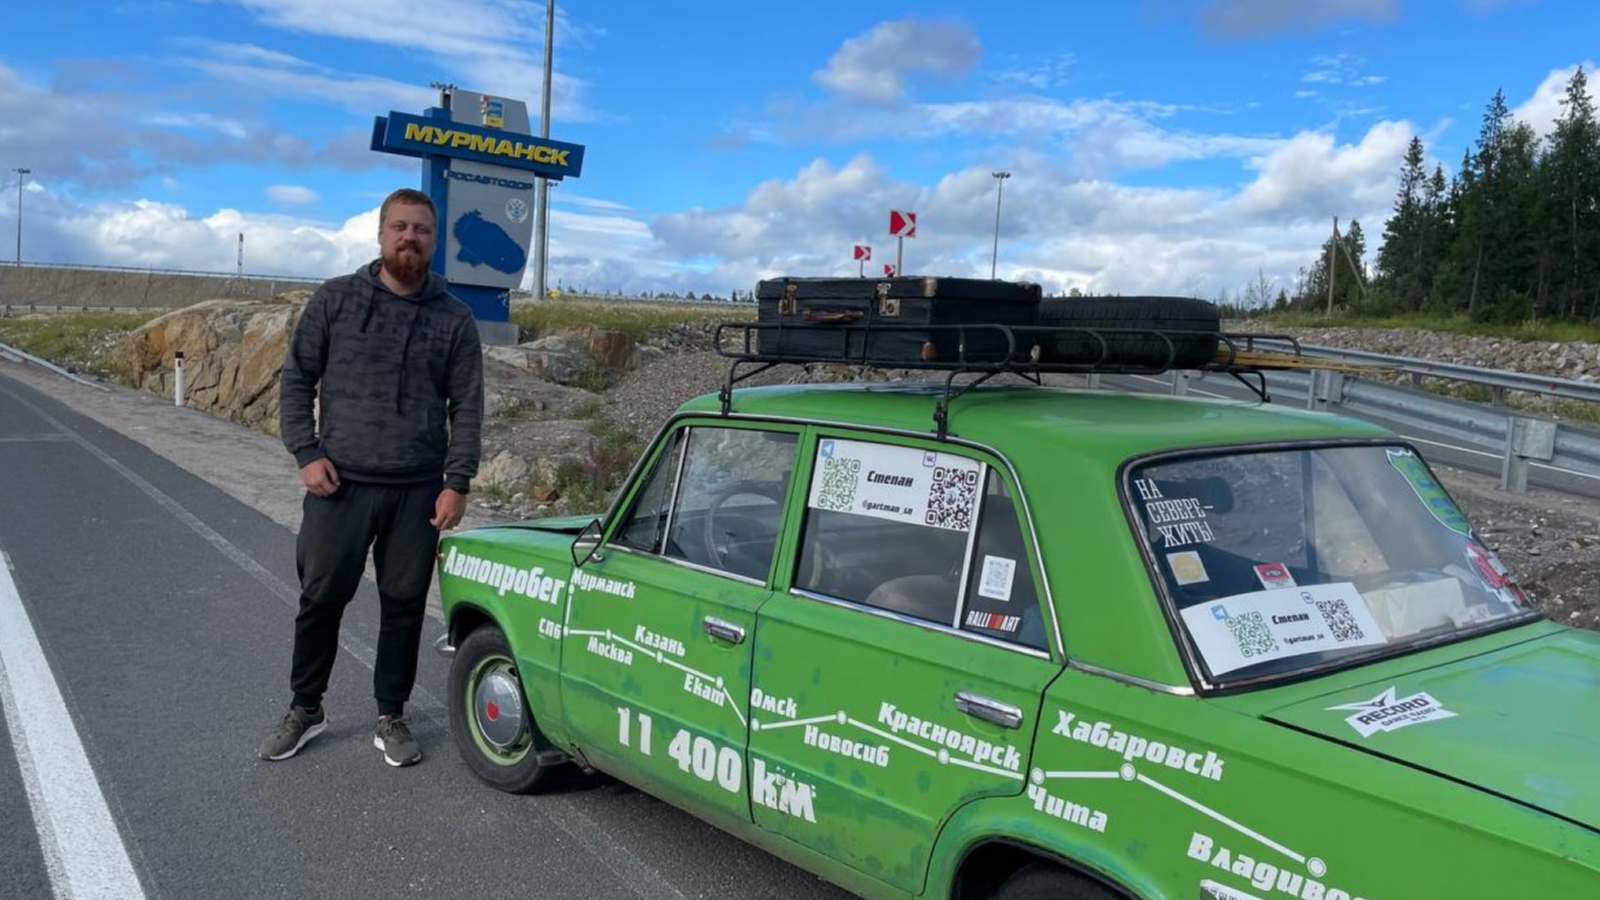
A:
{"x": 1543, "y": 330}
{"x": 634, "y": 319}
{"x": 589, "y": 483}
{"x": 72, "y": 340}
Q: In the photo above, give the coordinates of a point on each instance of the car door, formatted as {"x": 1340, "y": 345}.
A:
{"x": 658, "y": 637}
{"x": 901, "y": 674}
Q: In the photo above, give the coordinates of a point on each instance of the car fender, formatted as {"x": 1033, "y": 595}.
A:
{"x": 1012, "y": 820}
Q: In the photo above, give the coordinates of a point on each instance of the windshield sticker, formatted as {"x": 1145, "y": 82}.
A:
{"x": 993, "y": 621}
{"x": 1385, "y": 713}
{"x": 900, "y": 484}
{"x": 1246, "y": 629}
{"x": 998, "y": 574}
{"x": 1496, "y": 577}
{"x": 1180, "y": 522}
{"x": 1429, "y": 491}
{"x": 1187, "y": 567}
{"x": 1274, "y": 575}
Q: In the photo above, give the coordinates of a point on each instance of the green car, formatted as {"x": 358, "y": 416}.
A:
{"x": 1067, "y": 644}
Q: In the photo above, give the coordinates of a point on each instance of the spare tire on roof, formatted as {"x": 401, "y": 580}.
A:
{"x": 1190, "y": 323}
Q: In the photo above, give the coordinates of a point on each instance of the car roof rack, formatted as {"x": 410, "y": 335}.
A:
{"x": 1236, "y": 354}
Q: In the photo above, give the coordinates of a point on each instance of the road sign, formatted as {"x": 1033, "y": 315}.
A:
{"x": 902, "y": 224}
{"x": 888, "y": 269}
{"x": 863, "y": 251}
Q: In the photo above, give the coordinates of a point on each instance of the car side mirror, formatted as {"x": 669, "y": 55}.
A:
{"x": 586, "y": 545}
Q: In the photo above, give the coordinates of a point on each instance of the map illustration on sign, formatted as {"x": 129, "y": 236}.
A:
{"x": 485, "y": 243}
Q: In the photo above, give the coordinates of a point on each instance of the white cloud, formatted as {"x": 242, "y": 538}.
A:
{"x": 876, "y": 66}
{"x": 1302, "y": 95}
{"x": 1039, "y": 76}
{"x": 291, "y": 195}
{"x": 1543, "y": 108}
{"x": 1341, "y": 68}
{"x": 1313, "y": 176}
{"x": 494, "y": 46}
{"x": 115, "y": 139}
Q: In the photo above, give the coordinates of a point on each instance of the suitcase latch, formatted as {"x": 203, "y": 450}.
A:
{"x": 786, "y": 306}
{"x": 888, "y": 307}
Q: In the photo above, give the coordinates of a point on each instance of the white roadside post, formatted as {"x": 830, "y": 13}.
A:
{"x": 177, "y": 379}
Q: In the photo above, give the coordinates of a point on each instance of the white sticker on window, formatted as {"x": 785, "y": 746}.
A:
{"x": 998, "y": 573}
{"x": 1246, "y": 629}
{"x": 901, "y": 484}
{"x": 1187, "y": 567}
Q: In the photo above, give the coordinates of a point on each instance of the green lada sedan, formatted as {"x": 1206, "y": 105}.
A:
{"x": 1069, "y": 644}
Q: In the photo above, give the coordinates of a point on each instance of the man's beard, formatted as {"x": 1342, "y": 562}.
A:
{"x": 407, "y": 265}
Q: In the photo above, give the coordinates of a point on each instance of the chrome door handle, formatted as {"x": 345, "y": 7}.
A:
{"x": 724, "y": 630}
{"x": 989, "y": 710}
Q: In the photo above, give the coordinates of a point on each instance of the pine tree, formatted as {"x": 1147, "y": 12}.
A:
{"x": 1573, "y": 168}
{"x": 1399, "y": 261}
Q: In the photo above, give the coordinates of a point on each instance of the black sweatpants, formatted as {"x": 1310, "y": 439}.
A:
{"x": 393, "y": 521}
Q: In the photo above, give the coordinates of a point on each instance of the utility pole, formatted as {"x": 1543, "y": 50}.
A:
{"x": 1331, "y": 248}
{"x": 22, "y": 175}
{"x": 994, "y": 258}
{"x": 239, "y": 272}
{"x": 541, "y": 223}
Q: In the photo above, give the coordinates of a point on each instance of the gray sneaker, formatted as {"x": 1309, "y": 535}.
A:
{"x": 394, "y": 738}
{"x": 294, "y": 731}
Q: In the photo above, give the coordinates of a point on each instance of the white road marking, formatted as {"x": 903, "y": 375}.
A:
{"x": 1192, "y": 390}
{"x": 1496, "y": 456}
{"x": 83, "y": 851}
{"x": 579, "y": 824}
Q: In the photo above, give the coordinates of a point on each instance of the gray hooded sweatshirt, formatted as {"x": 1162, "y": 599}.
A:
{"x": 401, "y": 381}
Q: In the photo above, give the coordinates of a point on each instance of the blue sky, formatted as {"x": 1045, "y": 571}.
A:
{"x": 1180, "y": 146}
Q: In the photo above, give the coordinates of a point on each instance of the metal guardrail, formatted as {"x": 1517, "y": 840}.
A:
{"x": 1518, "y": 438}
{"x": 1497, "y": 380}
{"x": 150, "y": 270}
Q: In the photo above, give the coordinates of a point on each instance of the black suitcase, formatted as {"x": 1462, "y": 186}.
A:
{"x": 886, "y": 321}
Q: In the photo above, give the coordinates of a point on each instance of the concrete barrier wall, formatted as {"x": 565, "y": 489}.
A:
{"x": 52, "y": 286}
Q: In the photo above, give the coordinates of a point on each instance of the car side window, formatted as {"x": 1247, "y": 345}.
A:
{"x": 646, "y": 523}
{"x": 729, "y": 505}
{"x": 925, "y": 534}
{"x": 1001, "y": 600}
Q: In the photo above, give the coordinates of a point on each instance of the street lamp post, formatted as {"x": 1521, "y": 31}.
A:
{"x": 994, "y": 259}
{"x": 21, "y": 175}
{"x": 541, "y": 216}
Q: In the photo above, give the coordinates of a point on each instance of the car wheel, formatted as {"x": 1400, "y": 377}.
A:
{"x": 1172, "y": 316}
{"x": 494, "y": 730}
{"x": 1043, "y": 881}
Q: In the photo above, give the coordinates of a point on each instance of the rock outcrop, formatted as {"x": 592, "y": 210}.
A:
{"x": 233, "y": 351}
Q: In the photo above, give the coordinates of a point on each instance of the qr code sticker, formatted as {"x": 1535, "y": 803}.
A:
{"x": 839, "y": 479}
{"x": 1343, "y": 625}
{"x": 1251, "y": 632}
{"x": 951, "y": 498}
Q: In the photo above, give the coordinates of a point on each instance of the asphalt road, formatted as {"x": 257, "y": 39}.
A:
{"x": 145, "y": 628}
{"x": 1436, "y": 448}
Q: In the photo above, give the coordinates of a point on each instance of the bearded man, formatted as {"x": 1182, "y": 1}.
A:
{"x": 386, "y": 469}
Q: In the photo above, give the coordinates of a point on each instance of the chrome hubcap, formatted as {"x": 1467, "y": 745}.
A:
{"x": 498, "y": 708}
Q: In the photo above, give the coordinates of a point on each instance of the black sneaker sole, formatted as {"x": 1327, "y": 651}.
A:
{"x": 305, "y": 738}
{"x": 397, "y": 763}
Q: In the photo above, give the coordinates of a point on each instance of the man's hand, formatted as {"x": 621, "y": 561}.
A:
{"x": 320, "y": 477}
{"x": 448, "y": 509}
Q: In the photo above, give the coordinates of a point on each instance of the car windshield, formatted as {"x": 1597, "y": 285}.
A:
{"x": 1282, "y": 561}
